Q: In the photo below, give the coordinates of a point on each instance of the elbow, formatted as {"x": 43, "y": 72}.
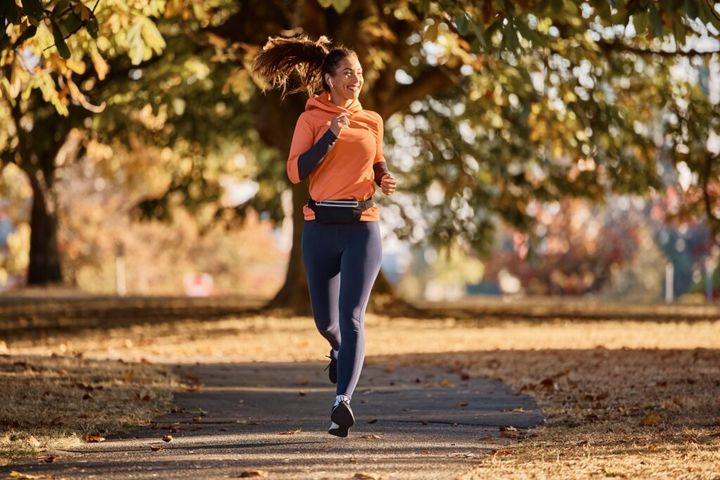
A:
{"x": 292, "y": 173}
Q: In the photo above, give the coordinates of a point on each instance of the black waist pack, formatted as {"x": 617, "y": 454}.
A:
{"x": 339, "y": 211}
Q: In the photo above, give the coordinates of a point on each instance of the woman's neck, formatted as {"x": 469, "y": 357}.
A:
{"x": 340, "y": 102}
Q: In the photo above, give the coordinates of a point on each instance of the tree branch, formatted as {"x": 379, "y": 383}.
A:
{"x": 428, "y": 82}
{"x": 619, "y": 47}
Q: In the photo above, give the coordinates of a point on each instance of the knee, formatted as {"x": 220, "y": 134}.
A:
{"x": 327, "y": 329}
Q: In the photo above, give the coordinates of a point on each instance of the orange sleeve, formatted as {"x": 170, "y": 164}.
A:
{"x": 380, "y": 134}
{"x": 301, "y": 142}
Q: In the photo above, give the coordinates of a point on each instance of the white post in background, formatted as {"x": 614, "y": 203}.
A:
{"x": 669, "y": 274}
{"x": 120, "y": 283}
{"x": 709, "y": 273}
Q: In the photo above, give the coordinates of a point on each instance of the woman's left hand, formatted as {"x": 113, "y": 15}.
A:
{"x": 388, "y": 184}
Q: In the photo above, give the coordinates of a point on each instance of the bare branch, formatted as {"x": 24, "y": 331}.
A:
{"x": 430, "y": 81}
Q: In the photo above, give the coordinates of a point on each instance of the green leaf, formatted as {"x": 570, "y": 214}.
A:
{"x": 9, "y": 10}
{"x": 92, "y": 27}
{"x": 655, "y": 20}
{"x": 531, "y": 35}
{"x": 510, "y": 38}
{"x": 325, "y": 3}
{"x": 29, "y": 32}
{"x": 479, "y": 33}
{"x": 33, "y": 8}
{"x": 152, "y": 36}
{"x": 708, "y": 15}
{"x": 341, "y": 5}
{"x": 462, "y": 22}
{"x": 61, "y": 6}
{"x": 60, "y": 44}
{"x": 641, "y": 20}
{"x": 542, "y": 6}
{"x": 679, "y": 31}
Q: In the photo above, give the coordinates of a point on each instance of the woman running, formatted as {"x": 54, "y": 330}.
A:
{"x": 337, "y": 145}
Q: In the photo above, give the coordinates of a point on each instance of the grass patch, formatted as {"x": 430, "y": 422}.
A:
{"x": 53, "y": 401}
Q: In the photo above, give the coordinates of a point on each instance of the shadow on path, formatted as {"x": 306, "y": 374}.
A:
{"x": 411, "y": 423}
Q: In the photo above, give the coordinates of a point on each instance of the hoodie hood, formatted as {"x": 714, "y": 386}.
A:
{"x": 323, "y": 102}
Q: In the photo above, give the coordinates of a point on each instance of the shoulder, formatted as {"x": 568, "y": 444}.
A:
{"x": 311, "y": 119}
{"x": 374, "y": 117}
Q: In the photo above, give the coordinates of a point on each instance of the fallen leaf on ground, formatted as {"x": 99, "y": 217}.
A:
{"x": 550, "y": 384}
{"x": 28, "y": 476}
{"x": 651, "y": 420}
{"x": 462, "y": 454}
{"x": 253, "y": 474}
{"x": 371, "y": 421}
{"x": 167, "y": 438}
{"x": 93, "y": 438}
{"x": 503, "y": 451}
{"x": 49, "y": 459}
{"x": 366, "y": 476}
{"x": 462, "y": 404}
{"x": 372, "y": 436}
{"x": 34, "y": 442}
{"x": 290, "y": 432}
{"x": 155, "y": 448}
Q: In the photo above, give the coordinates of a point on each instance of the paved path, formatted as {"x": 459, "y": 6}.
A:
{"x": 271, "y": 419}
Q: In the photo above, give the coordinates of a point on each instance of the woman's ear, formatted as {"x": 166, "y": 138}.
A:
{"x": 329, "y": 82}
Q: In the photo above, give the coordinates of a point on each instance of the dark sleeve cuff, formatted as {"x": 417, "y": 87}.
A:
{"x": 380, "y": 169}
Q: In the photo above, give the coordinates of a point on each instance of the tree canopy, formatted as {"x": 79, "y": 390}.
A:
{"x": 489, "y": 105}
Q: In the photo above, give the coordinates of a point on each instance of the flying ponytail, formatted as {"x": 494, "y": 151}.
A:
{"x": 281, "y": 57}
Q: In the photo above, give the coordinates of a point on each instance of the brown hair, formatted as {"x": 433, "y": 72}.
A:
{"x": 281, "y": 57}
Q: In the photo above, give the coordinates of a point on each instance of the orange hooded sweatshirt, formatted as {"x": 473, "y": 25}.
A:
{"x": 346, "y": 171}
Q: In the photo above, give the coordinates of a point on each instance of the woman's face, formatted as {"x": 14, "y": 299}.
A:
{"x": 347, "y": 80}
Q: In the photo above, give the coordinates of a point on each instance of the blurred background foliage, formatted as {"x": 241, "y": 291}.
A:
{"x": 496, "y": 113}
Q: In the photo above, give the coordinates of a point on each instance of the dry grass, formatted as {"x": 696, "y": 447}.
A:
{"x": 597, "y": 382}
{"x": 54, "y": 401}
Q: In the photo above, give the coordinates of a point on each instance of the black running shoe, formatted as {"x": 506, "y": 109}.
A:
{"x": 342, "y": 419}
{"x": 332, "y": 368}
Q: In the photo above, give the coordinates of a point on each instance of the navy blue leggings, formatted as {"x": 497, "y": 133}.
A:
{"x": 342, "y": 261}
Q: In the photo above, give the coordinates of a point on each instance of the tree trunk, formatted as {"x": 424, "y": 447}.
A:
{"x": 294, "y": 295}
{"x": 44, "y": 265}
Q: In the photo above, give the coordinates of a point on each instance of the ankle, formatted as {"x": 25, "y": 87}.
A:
{"x": 341, "y": 398}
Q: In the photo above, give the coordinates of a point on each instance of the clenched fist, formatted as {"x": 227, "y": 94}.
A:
{"x": 338, "y": 123}
{"x": 388, "y": 184}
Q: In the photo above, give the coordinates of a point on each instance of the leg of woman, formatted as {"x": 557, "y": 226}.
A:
{"x": 359, "y": 268}
{"x": 321, "y": 256}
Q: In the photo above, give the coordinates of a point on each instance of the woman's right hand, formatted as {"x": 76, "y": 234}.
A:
{"x": 338, "y": 123}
